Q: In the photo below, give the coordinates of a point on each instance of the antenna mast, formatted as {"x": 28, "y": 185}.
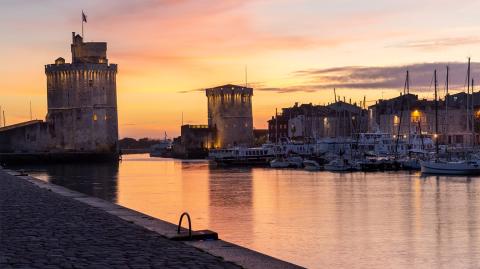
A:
{"x": 246, "y": 76}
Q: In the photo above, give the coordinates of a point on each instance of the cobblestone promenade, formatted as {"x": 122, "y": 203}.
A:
{"x": 40, "y": 229}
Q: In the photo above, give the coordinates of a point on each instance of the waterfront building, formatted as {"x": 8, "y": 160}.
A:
{"x": 407, "y": 114}
{"x": 230, "y": 113}
{"x": 308, "y": 121}
{"x": 82, "y": 107}
{"x": 194, "y": 142}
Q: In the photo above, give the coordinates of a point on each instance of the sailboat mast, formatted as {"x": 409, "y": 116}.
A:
{"x": 446, "y": 106}
{"x": 473, "y": 113}
{"x": 467, "y": 97}
{"x": 436, "y": 112}
{"x": 276, "y": 126}
{"x": 408, "y": 106}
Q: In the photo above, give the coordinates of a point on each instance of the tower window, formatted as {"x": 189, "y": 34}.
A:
{"x": 90, "y": 83}
{"x": 95, "y": 117}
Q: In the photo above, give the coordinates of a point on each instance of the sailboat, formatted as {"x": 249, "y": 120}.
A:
{"x": 436, "y": 166}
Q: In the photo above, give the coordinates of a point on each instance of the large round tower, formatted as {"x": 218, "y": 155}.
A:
{"x": 230, "y": 113}
{"x": 82, "y": 100}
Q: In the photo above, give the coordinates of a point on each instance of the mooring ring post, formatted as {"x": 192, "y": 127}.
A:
{"x": 189, "y": 224}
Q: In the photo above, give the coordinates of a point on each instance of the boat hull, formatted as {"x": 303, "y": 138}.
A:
{"x": 450, "y": 168}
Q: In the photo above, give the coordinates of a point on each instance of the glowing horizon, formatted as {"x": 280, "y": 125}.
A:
{"x": 296, "y": 51}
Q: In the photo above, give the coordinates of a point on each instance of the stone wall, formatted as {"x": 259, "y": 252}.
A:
{"x": 82, "y": 106}
{"x": 25, "y": 137}
{"x": 230, "y": 112}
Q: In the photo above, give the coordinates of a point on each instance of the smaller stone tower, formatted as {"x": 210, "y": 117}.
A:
{"x": 82, "y": 100}
{"x": 230, "y": 113}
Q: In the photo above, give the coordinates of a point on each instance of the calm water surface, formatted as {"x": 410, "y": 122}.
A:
{"x": 314, "y": 219}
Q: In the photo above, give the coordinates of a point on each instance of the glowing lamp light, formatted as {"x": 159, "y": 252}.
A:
{"x": 416, "y": 113}
{"x": 435, "y": 136}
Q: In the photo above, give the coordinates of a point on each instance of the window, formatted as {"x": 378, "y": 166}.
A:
{"x": 95, "y": 117}
{"x": 90, "y": 83}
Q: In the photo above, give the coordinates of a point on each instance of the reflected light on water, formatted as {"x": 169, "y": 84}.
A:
{"x": 314, "y": 219}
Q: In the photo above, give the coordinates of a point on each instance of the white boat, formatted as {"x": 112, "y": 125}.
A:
{"x": 450, "y": 168}
{"x": 412, "y": 161}
{"x": 243, "y": 156}
{"x": 295, "y": 161}
{"x": 288, "y": 162}
{"x": 340, "y": 165}
{"x": 161, "y": 149}
{"x": 311, "y": 165}
{"x": 279, "y": 163}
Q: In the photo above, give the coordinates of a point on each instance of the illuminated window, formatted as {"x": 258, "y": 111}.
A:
{"x": 95, "y": 117}
{"x": 396, "y": 120}
{"x": 416, "y": 115}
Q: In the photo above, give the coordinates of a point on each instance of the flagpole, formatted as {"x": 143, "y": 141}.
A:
{"x": 82, "y": 26}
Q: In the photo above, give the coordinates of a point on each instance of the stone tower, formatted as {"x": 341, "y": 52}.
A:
{"x": 82, "y": 100}
{"x": 230, "y": 112}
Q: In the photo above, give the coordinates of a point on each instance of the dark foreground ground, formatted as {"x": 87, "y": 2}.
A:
{"x": 40, "y": 229}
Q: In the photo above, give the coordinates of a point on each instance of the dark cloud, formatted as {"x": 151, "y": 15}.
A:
{"x": 374, "y": 78}
{"x": 440, "y": 43}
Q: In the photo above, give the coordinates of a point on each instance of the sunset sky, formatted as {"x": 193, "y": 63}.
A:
{"x": 296, "y": 51}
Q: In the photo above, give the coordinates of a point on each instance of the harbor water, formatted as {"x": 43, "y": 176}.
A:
{"x": 313, "y": 219}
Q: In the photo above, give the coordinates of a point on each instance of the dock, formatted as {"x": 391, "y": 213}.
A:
{"x": 43, "y": 225}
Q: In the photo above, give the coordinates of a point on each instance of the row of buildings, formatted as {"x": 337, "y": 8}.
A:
{"x": 455, "y": 120}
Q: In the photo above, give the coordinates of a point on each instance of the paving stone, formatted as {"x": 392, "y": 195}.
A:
{"x": 41, "y": 229}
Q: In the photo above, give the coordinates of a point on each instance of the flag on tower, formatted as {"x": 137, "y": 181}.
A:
{"x": 84, "y": 17}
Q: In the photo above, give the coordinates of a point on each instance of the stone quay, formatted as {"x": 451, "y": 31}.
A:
{"x": 43, "y": 225}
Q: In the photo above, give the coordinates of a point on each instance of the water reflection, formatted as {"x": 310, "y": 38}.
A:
{"x": 230, "y": 193}
{"x": 318, "y": 220}
{"x": 99, "y": 180}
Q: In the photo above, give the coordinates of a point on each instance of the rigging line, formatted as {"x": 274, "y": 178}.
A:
{"x": 431, "y": 82}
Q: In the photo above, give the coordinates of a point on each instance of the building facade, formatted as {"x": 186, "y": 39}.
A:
{"x": 308, "y": 121}
{"x": 451, "y": 120}
{"x": 230, "y": 113}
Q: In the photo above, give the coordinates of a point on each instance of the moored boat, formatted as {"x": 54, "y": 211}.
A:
{"x": 311, "y": 165}
{"x": 450, "y": 168}
{"x": 340, "y": 165}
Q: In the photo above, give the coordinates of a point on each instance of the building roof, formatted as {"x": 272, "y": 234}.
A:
{"x": 229, "y": 86}
{"x": 19, "y": 125}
